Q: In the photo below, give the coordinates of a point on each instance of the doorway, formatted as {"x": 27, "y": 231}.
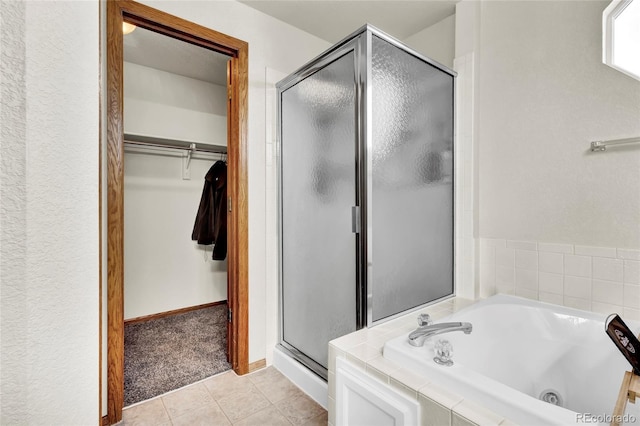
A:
{"x": 237, "y": 214}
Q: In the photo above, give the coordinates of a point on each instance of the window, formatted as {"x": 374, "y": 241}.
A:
{"x": 621, "y": 36}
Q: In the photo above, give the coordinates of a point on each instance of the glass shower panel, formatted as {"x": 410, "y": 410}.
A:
{"x": 318, "y": 151}
{"x": 411, "y": 165}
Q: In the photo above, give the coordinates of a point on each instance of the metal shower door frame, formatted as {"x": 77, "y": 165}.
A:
{"x": 366, "y": 142}
{"x": 353, "y": 44}
{"x": 360, "y": 42}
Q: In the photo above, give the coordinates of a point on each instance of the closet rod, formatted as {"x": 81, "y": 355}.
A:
{"x": 599, "y": 146}
{"x": 159, "y": 143}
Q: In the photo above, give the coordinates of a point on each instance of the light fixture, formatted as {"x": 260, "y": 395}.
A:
{"x": 127, "y": 28}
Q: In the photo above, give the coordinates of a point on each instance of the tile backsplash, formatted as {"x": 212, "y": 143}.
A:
{"x": 599, "y": 279}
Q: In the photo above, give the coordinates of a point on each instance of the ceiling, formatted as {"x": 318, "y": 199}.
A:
{"x": 333, "y": 20}
{"x": 327, "y": 19}
{"x": 144, "y": 47}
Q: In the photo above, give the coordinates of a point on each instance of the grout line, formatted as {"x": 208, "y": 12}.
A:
{"x": 269, "y": 406}
{"x": 215, "y": 401}
{"x": 221, "y": 410}
{"x": 166, "y": 411}
{"x": 283, "y": 414}
{"x": 261, "y": 393}
{"x": 275, "y": 404}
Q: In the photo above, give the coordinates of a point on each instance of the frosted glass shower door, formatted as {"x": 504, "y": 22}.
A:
{"x": 410, "y": 216}
{"x": 318, "y": 190}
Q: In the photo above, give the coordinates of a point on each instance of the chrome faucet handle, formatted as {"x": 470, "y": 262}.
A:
{"x": 424, "y": 319}
{"x": 444, "y": 353}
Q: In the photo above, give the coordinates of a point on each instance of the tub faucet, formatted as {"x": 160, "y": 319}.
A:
{"x": 423, "y": 332}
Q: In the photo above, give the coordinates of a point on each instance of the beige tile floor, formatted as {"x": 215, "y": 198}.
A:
{"x": 263, "y": 398}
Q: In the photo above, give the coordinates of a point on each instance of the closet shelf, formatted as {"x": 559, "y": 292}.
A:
{"x": 151, "y": 141}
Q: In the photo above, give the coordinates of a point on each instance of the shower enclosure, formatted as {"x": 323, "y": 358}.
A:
{"x": 365, "y": 179}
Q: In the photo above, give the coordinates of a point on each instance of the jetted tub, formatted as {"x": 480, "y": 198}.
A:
{"x": 521, "y": 349}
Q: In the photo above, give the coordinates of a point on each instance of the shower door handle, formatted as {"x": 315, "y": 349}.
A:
{"x": 355, "y": 219}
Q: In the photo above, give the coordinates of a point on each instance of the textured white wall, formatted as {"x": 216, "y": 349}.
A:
{"x": 163, "y": 269}
{"x": 49, "y": 246}
{"x": 437, "y": 41}
{"x": 271, "y": 212}
{"x": 13, "y": 227}
{"x": 161, "y": 104}
{"x": 544, "y": 94}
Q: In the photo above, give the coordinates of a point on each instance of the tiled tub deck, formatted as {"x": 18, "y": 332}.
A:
{"x": 438, "y": 406}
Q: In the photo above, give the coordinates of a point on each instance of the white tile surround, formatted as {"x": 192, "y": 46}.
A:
{"x": 438, "y": 406}
{"x": 598, "y": 279}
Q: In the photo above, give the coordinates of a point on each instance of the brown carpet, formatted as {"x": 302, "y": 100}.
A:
{"x": 167, "y": 353}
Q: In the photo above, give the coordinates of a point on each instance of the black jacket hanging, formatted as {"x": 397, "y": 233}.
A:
{"x": 211, "y": 221}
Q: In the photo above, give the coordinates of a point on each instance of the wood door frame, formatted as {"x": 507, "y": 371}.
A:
{"x": 237, "y": 182}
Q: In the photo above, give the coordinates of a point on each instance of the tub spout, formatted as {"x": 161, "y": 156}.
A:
{"x": 419, "y": 335}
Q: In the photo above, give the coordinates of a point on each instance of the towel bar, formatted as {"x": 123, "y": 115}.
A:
{"x": 599, "y": 146}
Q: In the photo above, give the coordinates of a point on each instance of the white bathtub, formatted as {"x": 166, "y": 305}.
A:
{"x": 520, "y": 348}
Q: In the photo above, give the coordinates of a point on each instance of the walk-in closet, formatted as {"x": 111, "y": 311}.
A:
{"x": 175, "y": 223}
